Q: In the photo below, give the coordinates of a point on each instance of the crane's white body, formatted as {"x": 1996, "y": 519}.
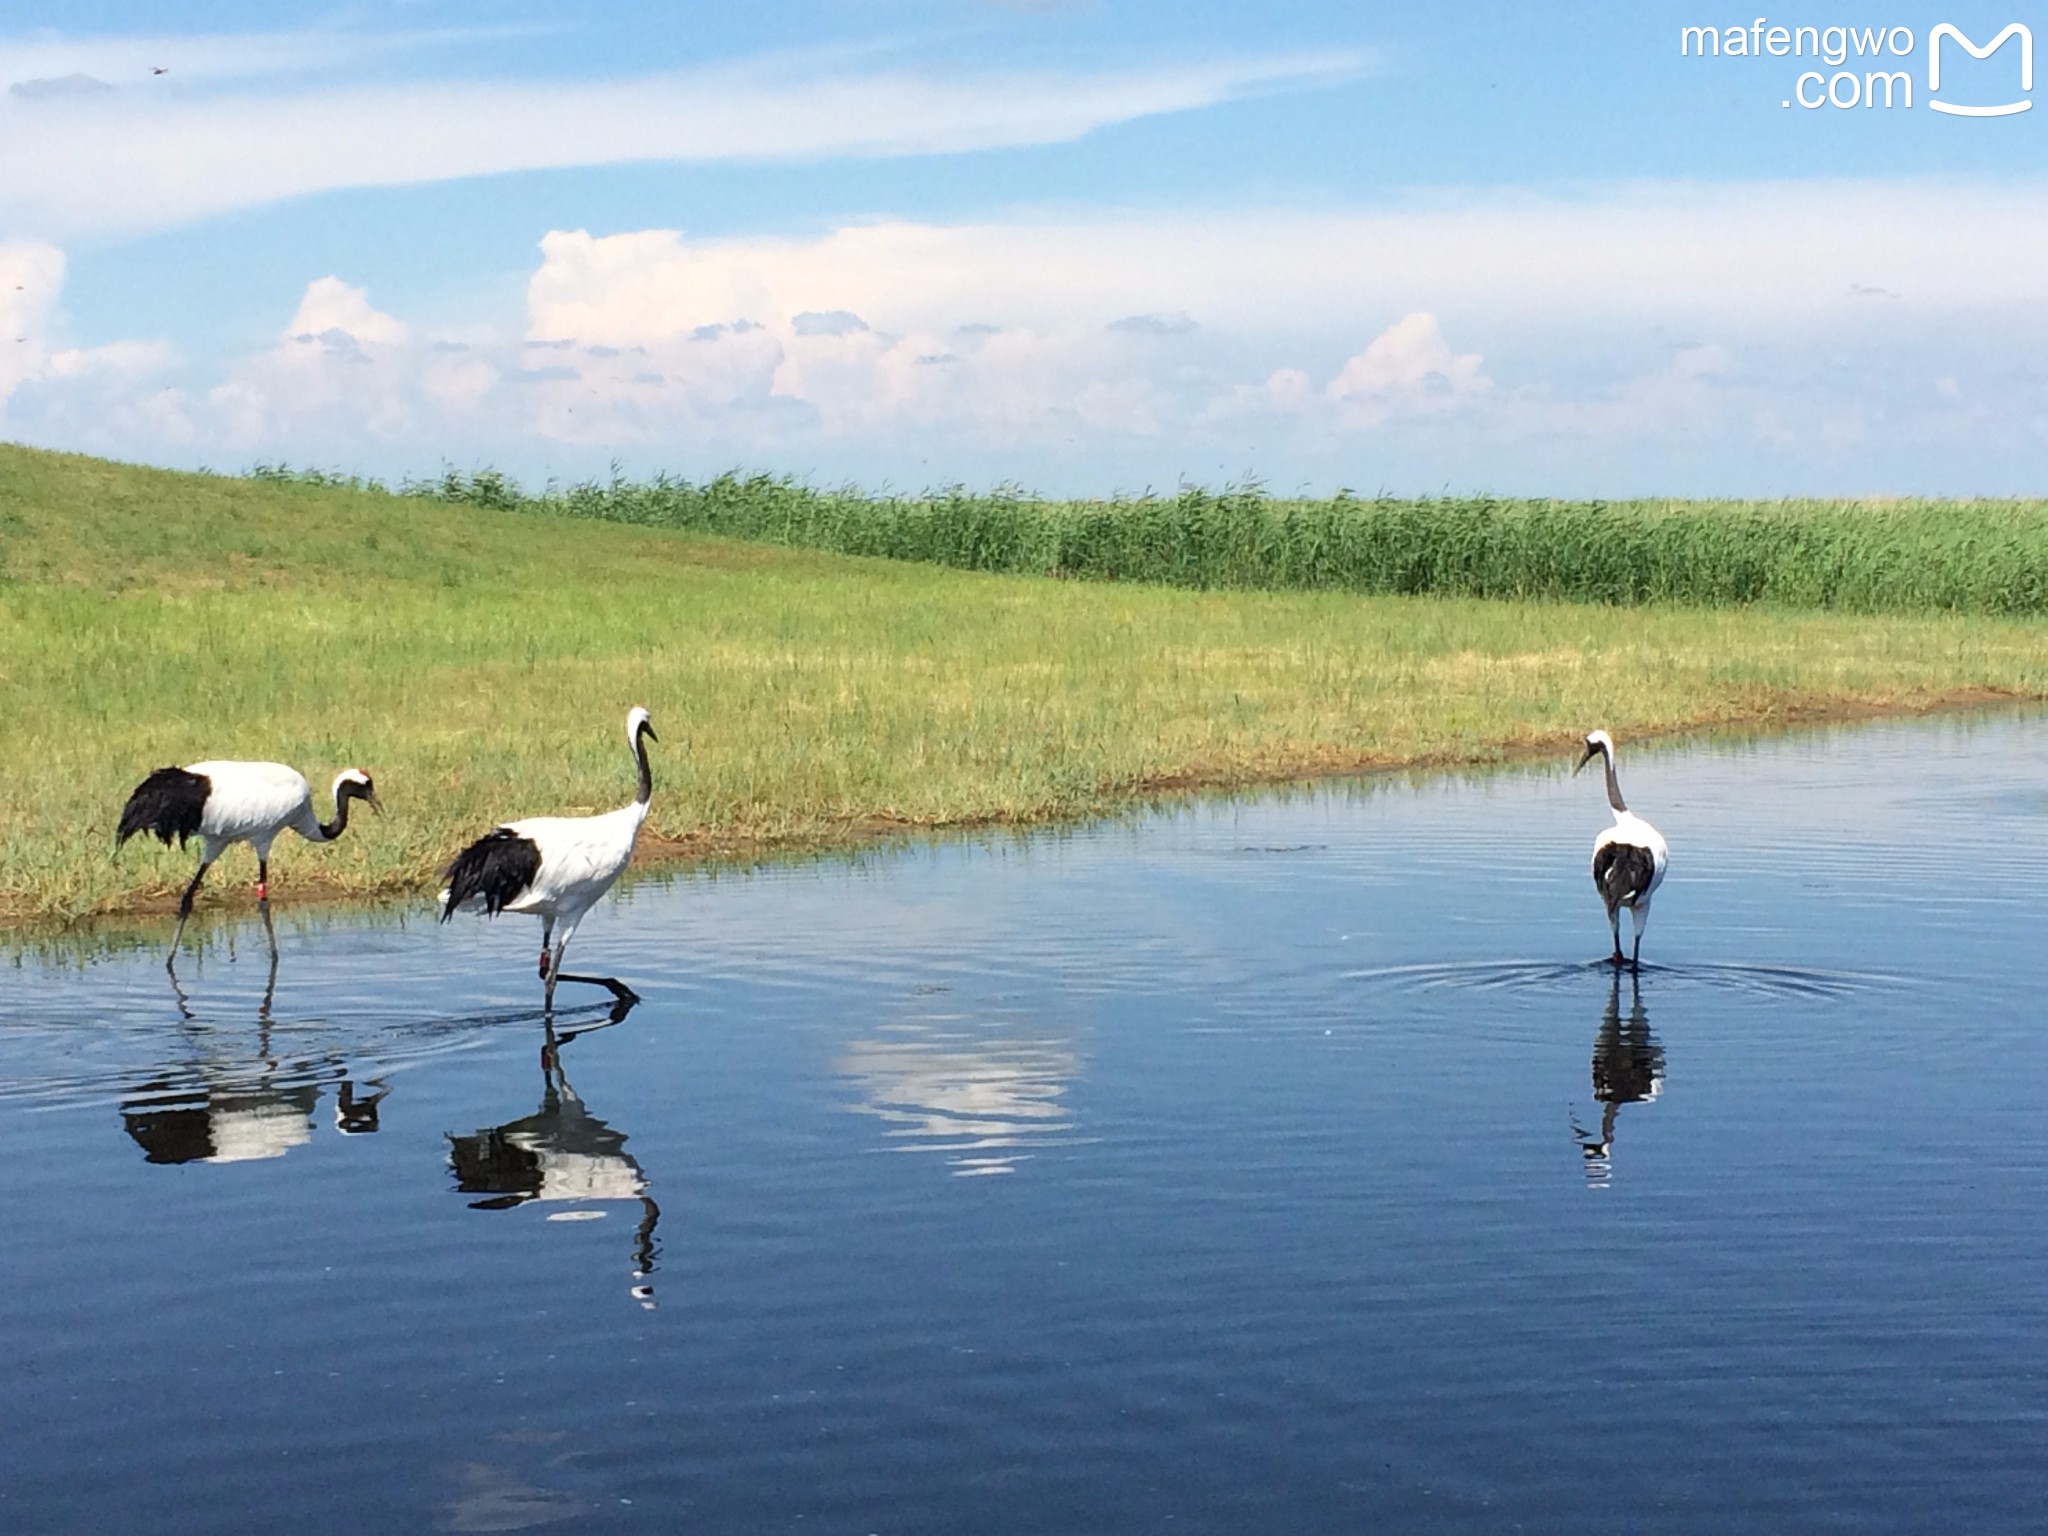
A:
{"x": 581, "y": 857}
{"x": 252, "y": 803}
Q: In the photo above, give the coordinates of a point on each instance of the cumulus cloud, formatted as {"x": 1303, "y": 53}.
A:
{"x": 344, "y": 380}
{"x": 341, "y": 318}
{"x": 1764, "y": 258}
{"x": 1408, "y": 369}
{"x": 820, "y": 371}
{"x": 92, "y": 396}
{"x": 337, "y": 358}
{"x": 1483, "y": 338}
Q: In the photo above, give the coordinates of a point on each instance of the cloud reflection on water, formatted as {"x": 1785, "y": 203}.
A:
{"x": 982, "y": 1100}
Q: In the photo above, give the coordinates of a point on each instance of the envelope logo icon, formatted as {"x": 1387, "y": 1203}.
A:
{"x": 1948, "y": 32}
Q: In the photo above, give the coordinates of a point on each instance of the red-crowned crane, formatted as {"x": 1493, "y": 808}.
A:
{"x": 555, "y": 867}
{"x": 222, "y": 803}
{"x": 1629, "y": 858}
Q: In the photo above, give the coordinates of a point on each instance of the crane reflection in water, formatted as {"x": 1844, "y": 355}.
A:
{"x": 239, "y": 1099}
{"x": 560, "y": 1152}
{"x": 1628, "y": 1068}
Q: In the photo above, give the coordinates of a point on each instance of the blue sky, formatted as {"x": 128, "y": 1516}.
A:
{"x": 1083, "y": 247}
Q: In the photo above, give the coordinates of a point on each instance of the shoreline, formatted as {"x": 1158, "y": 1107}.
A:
{"x": 478, "y": 661}
{"x": 659, "y": 853}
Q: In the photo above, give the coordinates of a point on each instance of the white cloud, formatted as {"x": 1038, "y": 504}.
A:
{"x": 43, "y": 87}
{"x": 457, "y": 384}
{"x": 144, "y": 158}
{"x": 1052, "y": 331}
{"x": 31, "y": 278}
{"x": 78, "y": 392}
{"x": 1707, "y": 361}
{"x": 831, "y": 322}
{"x": 168, "y": 62}
{"x": 122, "y": 360}
{"x": 339, "y": 362}
{"x": 1491, "y": 341}
{"x": 1760, "y": 257}
{"x": 1688, "y": 397}
{"x": 336, "y": 315}
{"x": 1409, "y": 369}
{"x": 1177, "y": 324}
{"x": 1288, "y": 391}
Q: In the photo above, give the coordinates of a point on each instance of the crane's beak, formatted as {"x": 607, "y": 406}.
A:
{"x": 373, "y": 802}
{"x": 648, "y": 731}
{"x": 1591, "y": 753}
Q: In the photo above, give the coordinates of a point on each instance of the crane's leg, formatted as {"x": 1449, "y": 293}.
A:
{"x": 1614, "y": 922}
{"x": 617, "y": 988}
{"x": 1641, "y": 914}
{"x": 270, "y": 987}
{"x": 547, "y": 932}
{"x": 552, "y": 970}
{"x": 644, "y": 1252}
{"x": 263, "y": 878}
{"x": 185, "y": 907}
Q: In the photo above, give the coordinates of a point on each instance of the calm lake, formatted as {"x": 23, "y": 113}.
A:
{"x": 1273, "y": 1164}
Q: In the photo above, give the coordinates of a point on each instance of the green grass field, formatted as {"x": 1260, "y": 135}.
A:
{"x": 479, "y": 662}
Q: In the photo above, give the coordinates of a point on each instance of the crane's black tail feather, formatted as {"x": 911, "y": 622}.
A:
{"x": 167, "y": 804}
{"x": 497, "y": 868}
{"x": 1623, "y": 872}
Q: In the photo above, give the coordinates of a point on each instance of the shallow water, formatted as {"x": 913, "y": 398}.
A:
{"x": 1275, "y": 1164}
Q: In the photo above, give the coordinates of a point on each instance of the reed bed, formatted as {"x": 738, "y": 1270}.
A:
{"x": 1987, "y": 557}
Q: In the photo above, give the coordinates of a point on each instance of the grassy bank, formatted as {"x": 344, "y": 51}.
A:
{"x": 1988, "y": 557}
{"x": 479, "y": 661}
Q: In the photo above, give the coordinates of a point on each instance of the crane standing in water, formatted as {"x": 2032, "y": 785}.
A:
{"x": 223, "y": 803}
{"x": 555, "y": 867}
{"x": 1629, "y": 858}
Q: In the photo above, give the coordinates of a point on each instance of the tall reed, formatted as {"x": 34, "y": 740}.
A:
{"x": 1987, "y": 557}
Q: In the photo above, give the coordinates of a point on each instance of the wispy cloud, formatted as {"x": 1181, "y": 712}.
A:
{"x": 139, "y": 158}
{"x": 46, "y": 86}
{"x": 189, "y": 59}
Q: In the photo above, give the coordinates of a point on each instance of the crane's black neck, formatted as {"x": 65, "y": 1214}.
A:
{"x": 349, "y": 790}
{"x": 1613, "y": 784}
{"x": 646, "y": 774}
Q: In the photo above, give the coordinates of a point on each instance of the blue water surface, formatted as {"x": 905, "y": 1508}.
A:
{"x": 1280, "y": 1163}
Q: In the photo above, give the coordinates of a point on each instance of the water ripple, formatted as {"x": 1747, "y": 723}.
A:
{"x": 109, "y": 1061}
{"x": 1528, "y": 976}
